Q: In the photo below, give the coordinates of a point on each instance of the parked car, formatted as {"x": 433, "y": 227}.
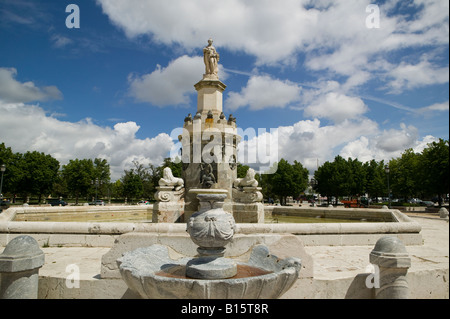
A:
{"x": 144, "y": 202}
{"x": 97, "y": 202}
{"x": 4, "y": 203}
{"x": 56, "y": 202}
{"x": 427, "y": 203}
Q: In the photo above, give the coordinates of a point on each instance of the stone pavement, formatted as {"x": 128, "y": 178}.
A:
{"x": 330, "y": 262}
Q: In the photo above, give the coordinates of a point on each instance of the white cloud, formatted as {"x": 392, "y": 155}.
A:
{"x": 397, "y": 140}
{"x": 411, "y": 76}
{"x": 332, "y": 34}
{"x": 308, "y": 141}
{"x": 27, "y": 128}
{"x": 171, "y": 85}
{"x": 336, "y": 107}
{"x": 359, "y": 149}
{"x": 13, "y": 91}
{"x": 312, "y": 143}
{"x": 60, "y": 41}
{"x": 386, "y": 145}
{"x": 263, "y": 92}
{"x": 442, "y": 107}
{"x": 262, "y": 28}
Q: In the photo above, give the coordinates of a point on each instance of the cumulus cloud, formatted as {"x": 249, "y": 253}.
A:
{"x": 333, "y": 35}
{"x": 14, "y": 91}
{"x": 411, "y": 76}
{"x": 171, "y": 85}
{"x": 336, "y": 107}
{"x": 263, "y": 92}
{"x": 312, "y": 143}
{"x": 262, "y": 28}
{"x": 28, "y": 127}
{"x": 394, "y": 140}
{"x": 395, "y": 143}
{"x": 307, "y": 141}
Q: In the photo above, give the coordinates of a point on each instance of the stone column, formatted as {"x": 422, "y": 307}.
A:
{"x": 393, "y": 262}
{"x": 19, "y": 268}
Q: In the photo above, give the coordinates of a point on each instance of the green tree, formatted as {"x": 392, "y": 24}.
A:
{"x": 325, "y": 177}
{"x": 405, "y": 180}
{"x": 41, "y": 172}
{"x": 434, "y": 166}
{"x": 376, "y": 181}
{"x": 8, "y": 158}
{"x": 357, "y": 177}
{"x": 288, "y": 180}
{"x": 79, "y": 175}
{"x": 132, "y": 184}
{"x": 117, "y": 189}
{"x": 102, "y": 175}
{"x": 340, "y": 178}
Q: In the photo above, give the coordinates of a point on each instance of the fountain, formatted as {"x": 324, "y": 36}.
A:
{"x": 151, "y": 273}
{"x": 211, "y": 195}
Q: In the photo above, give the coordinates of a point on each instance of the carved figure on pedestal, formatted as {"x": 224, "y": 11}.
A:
{"x": 207, "y": 178}
{"x": 211, "y": 59}
{"x": 248, "y": 181}
{"x": 246, "y": 190}
{"x": 169, "y": 180}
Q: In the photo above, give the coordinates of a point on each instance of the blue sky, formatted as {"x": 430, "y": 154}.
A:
{"x": 324, "y": 74}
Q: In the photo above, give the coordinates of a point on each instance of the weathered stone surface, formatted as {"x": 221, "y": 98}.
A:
{"x": 21, "y": 254}
{"x": 139, "y": 269}
{"x": 19, "y": 265}
{"x": 393, "y": 261}
{"x": 443, "y": 213}
{"x": 180, "y": 246}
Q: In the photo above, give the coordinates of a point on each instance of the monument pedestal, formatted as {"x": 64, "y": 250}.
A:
{"x": 209, "y": 96}
{"x": 248, "y": 206}
{"x": 169, "y": 207}
{"x": 248, "y": 213}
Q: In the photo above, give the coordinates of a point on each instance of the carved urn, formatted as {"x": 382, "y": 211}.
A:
{"x": 211, "y": 228}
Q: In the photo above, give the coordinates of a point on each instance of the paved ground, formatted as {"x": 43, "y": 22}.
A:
{"x": 329, "y": 261}
{"x": 342, "y": 261}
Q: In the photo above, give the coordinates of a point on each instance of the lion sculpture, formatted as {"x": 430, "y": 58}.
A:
{"x": 248, "y": 181}
{"x": 169, "y": 180}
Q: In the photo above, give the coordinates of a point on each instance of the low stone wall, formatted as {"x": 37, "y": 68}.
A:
{"x": 369, "y": 214}
{"x": 34, "y": 212}
{"x": 103, "y": 234}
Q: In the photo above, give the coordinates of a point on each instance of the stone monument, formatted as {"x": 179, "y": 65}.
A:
{"x": 210, "y": 183}
{"x": 209, "y": 157}
{"x": 150, "y": 272}
{"x": 209, "y": 140}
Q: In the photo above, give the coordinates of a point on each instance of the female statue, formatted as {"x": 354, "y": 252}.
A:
{"x": 211, "y": 59}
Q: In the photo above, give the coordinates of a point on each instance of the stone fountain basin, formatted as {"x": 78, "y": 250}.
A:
{"x": 141, "y": 269}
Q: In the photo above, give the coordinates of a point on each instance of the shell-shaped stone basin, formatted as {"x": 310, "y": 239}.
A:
{"x": 142, "y": 270}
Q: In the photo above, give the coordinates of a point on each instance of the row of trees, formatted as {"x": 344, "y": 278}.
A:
{"x": 422, "y": 175}
{"x": 40, "y": 175}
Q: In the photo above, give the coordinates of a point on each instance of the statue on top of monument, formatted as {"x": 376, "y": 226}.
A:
{"x": 211, "y": 59}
